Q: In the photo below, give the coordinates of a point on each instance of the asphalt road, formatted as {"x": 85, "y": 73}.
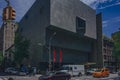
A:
{"x": 92, "y": 78}
{"x": 73, "y": 78}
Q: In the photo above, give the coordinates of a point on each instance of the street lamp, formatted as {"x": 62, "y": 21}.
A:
{"x": 50, "y": 50}
{"x": 41, "y": 50}
{"x": 4, "y": 39}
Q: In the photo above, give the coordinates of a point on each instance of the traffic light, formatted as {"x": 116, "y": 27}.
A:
{"x": 12, "y": 14}
{"x": 5, "y": 14}
{"x": 9, "y": 13}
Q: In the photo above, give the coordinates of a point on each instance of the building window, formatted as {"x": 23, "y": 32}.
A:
{"x": 104, "y": 50}
{"x": 80, "y": 26}
{"x": 105, "y": 57}
{"x": 14, "y": 26}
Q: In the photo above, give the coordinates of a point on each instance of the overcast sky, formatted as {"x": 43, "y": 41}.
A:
{"x": 110, "y": 10}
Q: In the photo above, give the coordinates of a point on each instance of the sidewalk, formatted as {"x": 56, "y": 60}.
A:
{"x": 20, "y": 77}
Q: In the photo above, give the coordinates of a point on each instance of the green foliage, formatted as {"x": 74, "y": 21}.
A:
{"x": 116, "y": 49}
{"x": 1, "y": 57}
{"x": 107, "y": 38}
{"x": 21, "y": 48}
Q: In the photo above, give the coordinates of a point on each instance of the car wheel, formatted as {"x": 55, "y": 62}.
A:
{"x": 67, "y": 79}
{"x": 119, "y": 74}
{"x": 108, "y": 75}
{"x": 79, "y": 74}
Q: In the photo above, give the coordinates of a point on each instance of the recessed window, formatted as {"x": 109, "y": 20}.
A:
{"x": 80, "y": 26}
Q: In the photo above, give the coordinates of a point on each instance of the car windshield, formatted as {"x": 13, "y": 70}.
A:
{"x": 98, "y": 70}
{"x": 12, "y": 69}
{"x": 91, "y": 70}
{"x": 50, "y": 73}
{"x": 65, "y": 68}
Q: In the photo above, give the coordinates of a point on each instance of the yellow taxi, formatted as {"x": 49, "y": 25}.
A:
{"x": 104, "y": 72}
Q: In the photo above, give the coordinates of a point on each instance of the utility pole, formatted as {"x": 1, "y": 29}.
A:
{"x": 8, "y": 2}
{"x": 50, "y": 65}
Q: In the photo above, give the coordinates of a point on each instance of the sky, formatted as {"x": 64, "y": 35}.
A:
{"x": 110, "y": 10}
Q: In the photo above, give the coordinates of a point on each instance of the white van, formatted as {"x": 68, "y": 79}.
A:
{"x": 74, "y": 70}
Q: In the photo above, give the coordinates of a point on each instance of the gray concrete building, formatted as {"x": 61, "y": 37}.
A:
{"x": 76, "y": 32}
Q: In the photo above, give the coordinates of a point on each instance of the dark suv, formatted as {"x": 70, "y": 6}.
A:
{"x": 56, "y": 76}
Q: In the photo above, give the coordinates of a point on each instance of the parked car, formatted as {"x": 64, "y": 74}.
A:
{"x": 21, "y": 73}
{"x": 90, "y": 71}
{"x": 118, "y": 73}
{"x": 56, "y": 76}
{"x": 11, "y": 70}
{"x": 104, "y": 72}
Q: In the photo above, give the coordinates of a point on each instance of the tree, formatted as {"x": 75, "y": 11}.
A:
{"x": 107, "y": 38}
{"x": 21, "y": 48}
{"x": 1, "y": 57}
{"x": 116, "y": 49}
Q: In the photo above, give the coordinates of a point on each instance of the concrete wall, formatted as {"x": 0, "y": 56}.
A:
{"x": 64, "y": 13}
{"x": 65, "y": 39}
{"x": 71, "y": 56}
{"x": 74, "y": 48}
{"x": 33, "y": 25}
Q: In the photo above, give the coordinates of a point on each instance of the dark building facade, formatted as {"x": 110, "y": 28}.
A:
{"x": 99, "y": 46}
{"x": 109, "y": 59}
{"x": 62, "y": 25}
